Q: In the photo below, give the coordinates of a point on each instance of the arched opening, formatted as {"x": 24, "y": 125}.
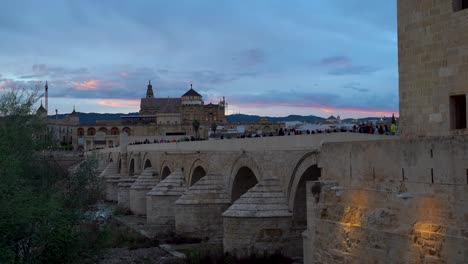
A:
{"x": 111, "y": 160}
{"x": 245, "y": 179}
{"x": 197, "y": 174}
{"x": 120, "y": 166}
{"x": 131, "y": 170}
{"x": 166, "y": 172}
{"x": 91, "y": 131}
{"x": 147, "y": 164}
{"x": 299, "y": 219}
{"x": 103, "y": 129}
{"x": 126, "y": 130}
{"x": 80, "y": 132}
{"x": 114, "y": 131}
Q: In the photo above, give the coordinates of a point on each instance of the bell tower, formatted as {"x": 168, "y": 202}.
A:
{"x": 149, "y": 91}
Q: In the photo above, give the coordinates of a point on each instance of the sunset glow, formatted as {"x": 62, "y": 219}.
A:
{"x": 298, "y": 60}
{"x": 119, "y": 103}
{"x": 86, "y": 85}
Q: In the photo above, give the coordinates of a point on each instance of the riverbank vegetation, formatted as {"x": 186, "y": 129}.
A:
{"x": 41, "y": 206}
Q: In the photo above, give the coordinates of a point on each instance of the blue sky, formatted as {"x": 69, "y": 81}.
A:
{"x": 267, "y": 57}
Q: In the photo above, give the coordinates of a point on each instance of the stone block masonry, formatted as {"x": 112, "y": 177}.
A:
{"x": 403, "y": 201}
{"x": 433, "y": 61}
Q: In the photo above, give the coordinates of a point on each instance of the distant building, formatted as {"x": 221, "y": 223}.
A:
{"x": 183, "y": 110}
{"x": 158, "y": 118}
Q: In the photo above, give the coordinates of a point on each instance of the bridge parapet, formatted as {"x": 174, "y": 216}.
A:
{"x": 298, "y": 142}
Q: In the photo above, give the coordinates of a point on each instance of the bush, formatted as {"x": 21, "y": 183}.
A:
{"x": 41, "y": 207}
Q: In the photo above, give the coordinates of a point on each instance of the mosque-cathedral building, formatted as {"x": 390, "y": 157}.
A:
{"x": 159, "y": 118}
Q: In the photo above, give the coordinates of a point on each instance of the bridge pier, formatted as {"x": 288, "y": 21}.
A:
{"x": 123, "y": 194}
{"x": 259, "y": 222}
{"x": 110, "y": 179}
{"x": 160, "y": 200}
{"x": 198, "y": 213}
{"x": 142, "y": 185}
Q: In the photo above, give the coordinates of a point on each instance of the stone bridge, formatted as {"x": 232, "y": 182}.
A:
{"x": 249, "y": 195}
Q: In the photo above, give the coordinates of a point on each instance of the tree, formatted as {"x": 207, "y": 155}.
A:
{"x": 214, "y": 126}
{"x": 196, "y": 126}
{"x": 40, "y": 205}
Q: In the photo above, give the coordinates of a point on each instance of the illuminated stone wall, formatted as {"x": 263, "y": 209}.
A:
{"x": 433, "y": 61}
{"x": 357, "y": 216}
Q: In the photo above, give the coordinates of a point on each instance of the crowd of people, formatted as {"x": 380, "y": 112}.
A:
{"x": 368, "y": 128}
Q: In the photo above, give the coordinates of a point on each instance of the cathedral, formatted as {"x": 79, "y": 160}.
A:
{"x": 183, "y": 110}
{"x": 158, "y": 118}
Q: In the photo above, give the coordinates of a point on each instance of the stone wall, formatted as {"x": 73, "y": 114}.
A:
{"x": 401, "y": 201}
{"x": 433, "y": 61}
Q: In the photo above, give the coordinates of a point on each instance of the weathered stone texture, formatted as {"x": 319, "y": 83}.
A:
{"x": 199, "y": 211}
{"x": 245, "y": 236}
{"x": 359, "y": 217}
{"x": 160, "y": 207}
{"x": 202, "y": 221}
{"x": 433, "y": 61}
{"x": 123, "y": 195}
{"x": 110, "y": 179}
{"x": 142, "y": 185}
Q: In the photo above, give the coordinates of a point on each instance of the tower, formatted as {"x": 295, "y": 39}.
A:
{"x": 432, "y": 62}
{"x": 149, "y": 91}
{"x": 46, "y": 97}
{"x": 74, "y": 117}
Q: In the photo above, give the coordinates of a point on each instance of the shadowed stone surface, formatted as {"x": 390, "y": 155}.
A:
{"x": 160, "y": 200}
{"x": 142, "y": 185}
{"x": 199, "y": 211}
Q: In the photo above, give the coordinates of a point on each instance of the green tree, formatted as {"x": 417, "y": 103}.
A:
{"x": 40, "y": 205}
{"x": 196, "y": 127}
{"x": 214, "y": 126}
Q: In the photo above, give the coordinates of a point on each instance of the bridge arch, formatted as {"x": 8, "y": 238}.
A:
{"x": 147, "y": 164}
{"x": 166, "y": 170}
{"x": 131, "y": 169}
{"x": 110, "y": 157}
{"x": 306, "y": 162}
{"x": 305, "y": 170}
{"x": 119, "y": 160}
{"x": 197, "y": 171}
{"x": 244, "y": 174}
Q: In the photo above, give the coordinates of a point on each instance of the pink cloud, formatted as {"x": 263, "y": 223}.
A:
{"x": 9, "y": 83}
{"x": 93, "y": 84}
{"x": 372, "y": 112}
{"x": 86, "y": 85}
{"x": 119, "y": 102}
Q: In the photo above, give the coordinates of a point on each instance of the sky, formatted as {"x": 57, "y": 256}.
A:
{"x": 266, "y": 57}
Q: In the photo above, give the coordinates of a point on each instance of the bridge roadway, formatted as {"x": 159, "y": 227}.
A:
{"x": 247, "y": 194}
